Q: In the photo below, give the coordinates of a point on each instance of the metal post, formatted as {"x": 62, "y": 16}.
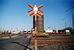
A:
{"x": 35, "y": 12}
{"x": 35, "y": 35}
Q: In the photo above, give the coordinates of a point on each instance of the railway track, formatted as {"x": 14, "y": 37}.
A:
{"x": 54, "y": 40}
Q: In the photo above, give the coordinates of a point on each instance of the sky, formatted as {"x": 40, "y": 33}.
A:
{"x": 14, "y": 16}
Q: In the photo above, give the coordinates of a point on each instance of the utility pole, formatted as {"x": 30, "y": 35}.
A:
{"x": 65, "y": 24}
{"x": 72, "y": 20}
{"x": 72, "y": 9}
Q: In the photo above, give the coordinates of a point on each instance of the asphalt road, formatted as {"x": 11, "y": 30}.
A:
{"x": 18, "y": 43}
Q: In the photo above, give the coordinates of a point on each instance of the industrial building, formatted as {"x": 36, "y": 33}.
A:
{"x": 39, "y": 23}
